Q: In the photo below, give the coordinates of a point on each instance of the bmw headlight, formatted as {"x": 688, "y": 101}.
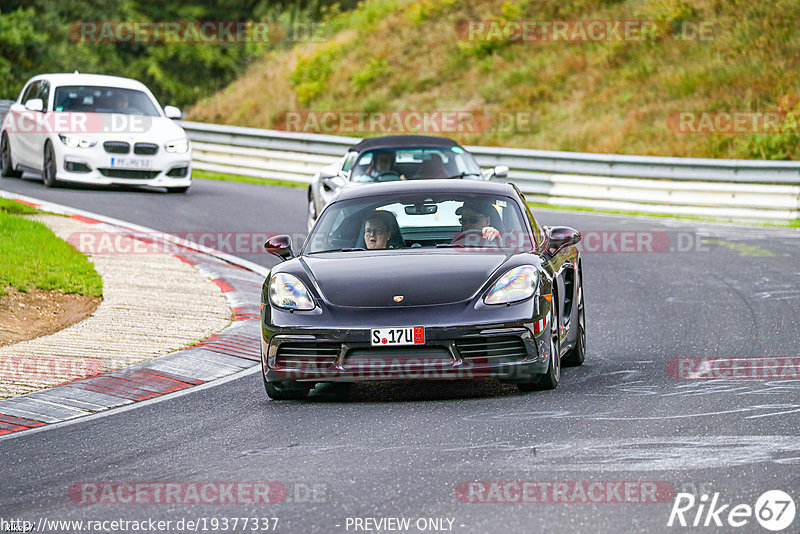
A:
{"x": 77, "y": 141}
{"x": 177, "y": 147}
{"x": 517, "y": 284}
{"x": 287, "y": 291}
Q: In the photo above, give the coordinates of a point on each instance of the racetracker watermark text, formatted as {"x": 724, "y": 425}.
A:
{"x": 592, "y": 242}
{"x": 701, "y": 368}
{"x": 182, "y": 31}
{"x": 48, "y": 368}
{"x": 88, "y": 493}
{"x": 537, "y": 31}
{"x": 564, "y": 491}
{"x": 734, "y": 122}
{"x": 75, "y": 122}
{"x": 409, "y": 122}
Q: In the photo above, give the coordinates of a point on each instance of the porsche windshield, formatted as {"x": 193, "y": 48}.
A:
{"x": 391, "y": 164}
{"x": 477, "y": 222}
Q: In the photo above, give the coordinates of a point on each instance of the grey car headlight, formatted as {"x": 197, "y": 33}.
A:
{"x": 177, "y": 147}
{"x": 77, "y": 141}
{"x": 287, "y": 291}
{"x": 515, "y": 285}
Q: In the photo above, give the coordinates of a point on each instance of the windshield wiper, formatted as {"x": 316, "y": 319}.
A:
{"x": 355, "y": 249}
{"x": 463, "y": 174}
{"x": 449, "y": 245}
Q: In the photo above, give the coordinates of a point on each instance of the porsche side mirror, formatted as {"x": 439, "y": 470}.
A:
{"x": 279, "y": 245}
{"x": 562, "y": 236}
{"x": 172, "y": 112}
{"x": 34, "y": 104}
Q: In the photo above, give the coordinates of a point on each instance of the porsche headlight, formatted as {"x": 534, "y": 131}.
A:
{"x": 287, "y": 291}
{"x": 517, "y": 284}
{"x": 177, "y": 147}
{"x": 77, "y": 141}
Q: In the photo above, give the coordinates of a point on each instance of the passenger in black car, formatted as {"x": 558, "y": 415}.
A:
{"x": 380, "y": 229}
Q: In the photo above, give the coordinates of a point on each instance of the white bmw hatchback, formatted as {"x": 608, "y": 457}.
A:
{"x": 94, "y": 129}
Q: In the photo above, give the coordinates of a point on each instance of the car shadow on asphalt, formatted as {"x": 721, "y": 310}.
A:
{"x": 403, "y": 391}
{"x": 97, "y": 187}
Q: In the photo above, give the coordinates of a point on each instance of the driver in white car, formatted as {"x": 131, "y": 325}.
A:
{"x": 382, "y": 163}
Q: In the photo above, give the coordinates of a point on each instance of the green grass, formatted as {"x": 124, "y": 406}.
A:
{"x": 209, "y": 175}
{"x": 795, "y": 223}
{"x": 14, "y": 207}
{"x": 31, "y": 256}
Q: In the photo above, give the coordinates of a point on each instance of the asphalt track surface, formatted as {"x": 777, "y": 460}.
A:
{"x": 402, "y": 450}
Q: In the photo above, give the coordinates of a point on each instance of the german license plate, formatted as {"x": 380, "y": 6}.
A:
{"x": 131, "y": 163}
{"x": 397, "y": 335}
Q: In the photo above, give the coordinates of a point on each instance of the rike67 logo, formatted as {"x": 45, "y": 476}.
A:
{"x": 774, "y": 510}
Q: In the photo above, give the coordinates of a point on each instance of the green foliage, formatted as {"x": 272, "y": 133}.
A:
{"x": 366, "y": 16}
{"x": 670, "y": 15}
{"x": 375, "y": 68}
{"x": 491, "y": 36}
{"x": 312, "y": 72}
{"x": 38, "y": 36}
{"x": 605, "y": 96}
{"x": 419, "y": 12}
{"x": 773, "y": 146}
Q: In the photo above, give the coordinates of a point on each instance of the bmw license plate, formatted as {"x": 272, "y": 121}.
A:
{"x": 131, "y": 163}
{"x": 400, "y": 335}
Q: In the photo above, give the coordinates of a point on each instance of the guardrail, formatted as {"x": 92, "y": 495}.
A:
{"x": 738, "y": 189}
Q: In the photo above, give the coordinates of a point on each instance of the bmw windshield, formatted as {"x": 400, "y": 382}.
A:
{"x": 96, "y": 99}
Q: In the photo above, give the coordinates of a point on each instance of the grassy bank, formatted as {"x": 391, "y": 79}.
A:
{"x": 600, "y": 96}
{"x": 31, "y": 256}
{"x": 209, "y": 175}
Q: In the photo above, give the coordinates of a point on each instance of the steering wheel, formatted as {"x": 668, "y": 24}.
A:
{"x": 473, "y": 239}
{"x": 388, "y": 173}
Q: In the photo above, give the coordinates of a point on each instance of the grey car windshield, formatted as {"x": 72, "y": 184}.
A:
{"x": 96, "y": 99}
{"x": 391, "y": 164}
{"x": 422, "y": 221}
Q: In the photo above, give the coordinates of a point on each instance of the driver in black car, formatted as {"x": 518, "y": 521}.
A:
{"x": 476, "y": 224}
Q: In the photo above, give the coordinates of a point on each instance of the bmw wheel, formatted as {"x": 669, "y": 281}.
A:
{"x": 49, "y": 167}
{"x": 7, "y": 166}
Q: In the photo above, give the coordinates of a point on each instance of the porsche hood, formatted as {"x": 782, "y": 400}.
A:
{"x": 379, "y": 280}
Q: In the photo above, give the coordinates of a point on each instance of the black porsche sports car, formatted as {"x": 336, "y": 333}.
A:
{"x": 433, "y": 279}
